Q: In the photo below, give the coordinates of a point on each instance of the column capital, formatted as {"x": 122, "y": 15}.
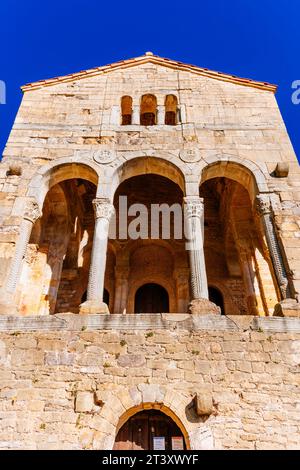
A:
{"x": 32, "y": 211}
{"x": 103, "y": 208}
{"x": 194, "y": 206}
{"x": 263, "y": 204}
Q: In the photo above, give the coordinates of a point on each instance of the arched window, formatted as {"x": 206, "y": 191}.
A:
{"x": 126, "y": 110}
{"x": 216, "y": 297}
{"x": 171, "y": 110}
{"x": 151, "y": 298}
{"x": 148, "y": 110}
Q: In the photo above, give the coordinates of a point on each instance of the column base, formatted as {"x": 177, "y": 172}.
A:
{"x": 203, "y": 307}
{"x": 92, "y": 307}
{"x": 287, "y": 308}
{"x": 7, "y": 304}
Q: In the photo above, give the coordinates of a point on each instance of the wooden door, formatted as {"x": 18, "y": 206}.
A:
{"x": 139, "y": 431}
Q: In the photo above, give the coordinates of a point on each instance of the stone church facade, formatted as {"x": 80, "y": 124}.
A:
{"x": 107, "y": 340}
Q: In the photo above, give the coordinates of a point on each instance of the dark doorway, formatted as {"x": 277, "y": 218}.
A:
{"x": 216, "y": 297}
{"x": 151, "y": 298}
{"x": 140, "y": 431}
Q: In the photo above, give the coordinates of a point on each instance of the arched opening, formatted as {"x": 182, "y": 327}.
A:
{"x": 171, "y": 110}
{"x": 151, "y": 298}
{"x": 216, "y": 297}
{"x": 126, "y": 110}
{"x": 61, "y": 243}
{"x": 147, "y": 251}
{"x": 236, "y": 257}
{"x": 150, "y": 430}
{"x": 148, "y": 110}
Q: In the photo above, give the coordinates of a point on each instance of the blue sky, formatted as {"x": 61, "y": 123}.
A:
{"x": 257, "y": 39}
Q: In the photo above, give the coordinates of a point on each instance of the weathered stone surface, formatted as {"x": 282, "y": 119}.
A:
{"x": 203, "y": 402}
{"x": 203, "y": 307}
{"x": 287, "y": 308}
{"x": 131, "y": 360}
{"x": 84, "y": 402}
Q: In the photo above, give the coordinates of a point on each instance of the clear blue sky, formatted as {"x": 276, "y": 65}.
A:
{"x": 258, "y": 39}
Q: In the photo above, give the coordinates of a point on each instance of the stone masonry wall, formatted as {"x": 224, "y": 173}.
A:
{"x": 56, "y": 385}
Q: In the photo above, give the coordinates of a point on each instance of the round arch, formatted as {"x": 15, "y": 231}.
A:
{"x": 155, "y": 279}
{"x": 148, "y": 165}
{"x": 245, "y": 172}
{"x": 120, "y": 403}
{"x": 148, "y": 289}
{"x": 158, "y": 407}
{"x": 58, "y": 171}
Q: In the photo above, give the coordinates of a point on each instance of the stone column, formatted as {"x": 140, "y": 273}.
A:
{"x": 121, "y": 290}
{"x": 135, "y": 114}
{"x": 181, "y": 276}
{"x": 160, "y": 114}
{"x": 194, "y": 231}
{"x": 264, "y": 209}
{"x": 248, "y": 276}
{"x": 288, "y": 307}
{"x": 31, "y": 214}
{"x": 94, "y": 303}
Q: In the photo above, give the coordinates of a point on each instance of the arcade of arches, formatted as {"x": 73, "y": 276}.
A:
{"x": 148, "y": 275}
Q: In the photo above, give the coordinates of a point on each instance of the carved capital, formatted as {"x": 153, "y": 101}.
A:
{"x": 32, "y": 211}
{"x": 263, "y": 204}
{"x": 103, "y": 208}
{"x": 194, "y": 206}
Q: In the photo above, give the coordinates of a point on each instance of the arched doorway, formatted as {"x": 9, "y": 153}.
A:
{"x": 150, "y": 430}
{"x": 151, "y": 298}
{"x": 216, "y": 297}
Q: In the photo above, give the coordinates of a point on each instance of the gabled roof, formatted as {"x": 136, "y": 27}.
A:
{"x": 149, "y": 57}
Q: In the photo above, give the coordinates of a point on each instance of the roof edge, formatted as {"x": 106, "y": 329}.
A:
{"x": 150, "y": 58}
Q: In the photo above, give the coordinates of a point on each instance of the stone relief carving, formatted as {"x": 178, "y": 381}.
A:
{"x": 190, "y": 155}
{"x": 104, "y": 156}
{"x": 194, "y": 207}
{"x": 103, "y": 208}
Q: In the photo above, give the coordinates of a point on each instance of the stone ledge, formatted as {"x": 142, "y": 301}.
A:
{"x": 173, "y": 322}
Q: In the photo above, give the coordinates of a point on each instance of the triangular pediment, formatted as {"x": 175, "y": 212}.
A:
{"x": 149, "y": 58}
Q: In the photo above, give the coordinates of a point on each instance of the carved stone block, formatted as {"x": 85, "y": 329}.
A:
{"x": 203, "y": 307}
{"x": 282, "y": 169}
{"x": 287, "y": 308}
{"x": 91, "y": 307}
{"x": 203, "y": 403}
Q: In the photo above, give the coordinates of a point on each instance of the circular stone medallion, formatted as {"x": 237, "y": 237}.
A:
{"x": 190, "y": 155}
{"x": 104, "y": 156}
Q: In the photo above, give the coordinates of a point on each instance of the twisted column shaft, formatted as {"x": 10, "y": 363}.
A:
{"x": 264, "y": 209}
{"x": 194, "y": 222}
{"x": 31, "y": 214}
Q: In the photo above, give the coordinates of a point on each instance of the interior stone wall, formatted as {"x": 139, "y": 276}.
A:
{"x": 66, "y": 381}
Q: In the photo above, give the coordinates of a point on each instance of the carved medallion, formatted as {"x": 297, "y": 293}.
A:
{"x": 190, "y": 155}
{"x": 104, "y": 156}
